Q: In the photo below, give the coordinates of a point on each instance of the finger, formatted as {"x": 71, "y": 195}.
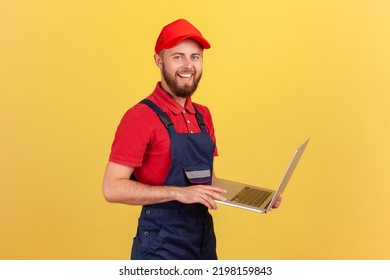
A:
{"x": 218, "y": 189}
{"x": 215, "y": 196}
{"x": 214, "y": 189}
{"x": 211, "y": 196}
{"x": 206, "y": 202}
{"x": 277, "y": 203}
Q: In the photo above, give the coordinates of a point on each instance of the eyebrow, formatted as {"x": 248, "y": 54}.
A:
{"x": 183, "y": 54}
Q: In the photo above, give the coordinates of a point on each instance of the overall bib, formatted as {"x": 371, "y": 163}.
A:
{"x": 173, "y": 230}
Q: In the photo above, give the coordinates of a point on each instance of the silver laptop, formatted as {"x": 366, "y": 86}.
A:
{"x": 256, "y": 198}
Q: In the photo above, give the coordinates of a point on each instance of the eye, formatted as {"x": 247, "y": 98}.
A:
{"x": 177, "y": 57}
{"x": 195, "y": 57}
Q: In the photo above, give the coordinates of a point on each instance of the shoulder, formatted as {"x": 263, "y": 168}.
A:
{"x": 138, "y": 113}
{"x": 138, "y": 120}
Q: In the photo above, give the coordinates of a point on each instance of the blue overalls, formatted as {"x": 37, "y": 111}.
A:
{"x": 173, "y": 230}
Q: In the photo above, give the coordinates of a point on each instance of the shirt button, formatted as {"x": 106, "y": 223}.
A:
{"x": 188, "y": 121}
{"x": 147, "y": 212}
{"x": 146, "y": 233}
{"x": 191, "y": 131}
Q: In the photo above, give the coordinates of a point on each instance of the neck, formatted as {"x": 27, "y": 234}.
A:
{"x": 180, "y": 100}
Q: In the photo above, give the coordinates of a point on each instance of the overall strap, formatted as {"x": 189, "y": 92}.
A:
{"x": 200, "y": 119}
{"x": 161, "y": 114}
{"x": 167, "y": 121}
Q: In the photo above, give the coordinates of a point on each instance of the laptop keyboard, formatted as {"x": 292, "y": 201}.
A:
{"x": 251, "y": 196}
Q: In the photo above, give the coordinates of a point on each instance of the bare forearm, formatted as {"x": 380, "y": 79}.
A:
{"x": 134, "y": 193}
{"x": 118, "y": 188}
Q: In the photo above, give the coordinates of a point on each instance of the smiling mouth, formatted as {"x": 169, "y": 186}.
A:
{"x": 185, "y": 75}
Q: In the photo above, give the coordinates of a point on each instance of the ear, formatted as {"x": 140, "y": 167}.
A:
{"x": 158, "y": 60}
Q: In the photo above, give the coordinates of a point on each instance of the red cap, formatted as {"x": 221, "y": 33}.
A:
{"x": 177, "y": 31}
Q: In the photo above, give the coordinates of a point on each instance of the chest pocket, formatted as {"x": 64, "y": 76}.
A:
{"x": 198, "y": 174}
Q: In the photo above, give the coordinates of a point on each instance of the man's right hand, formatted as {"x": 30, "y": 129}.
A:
{"x": 203, "y": 194}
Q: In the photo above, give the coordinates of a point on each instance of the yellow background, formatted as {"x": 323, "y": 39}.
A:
{"x": 278, "y": 72}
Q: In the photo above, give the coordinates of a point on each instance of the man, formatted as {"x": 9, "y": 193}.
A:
{"x": 162, "y": 156}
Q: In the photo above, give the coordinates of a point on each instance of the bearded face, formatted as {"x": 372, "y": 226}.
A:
{"x": 181, "y": 68}
{"x": 182, "y": 83}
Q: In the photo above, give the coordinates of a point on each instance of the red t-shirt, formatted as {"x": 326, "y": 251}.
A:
{"x": 142, "y": 141}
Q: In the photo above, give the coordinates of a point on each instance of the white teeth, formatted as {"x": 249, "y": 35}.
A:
{"x": 185, "y": 75}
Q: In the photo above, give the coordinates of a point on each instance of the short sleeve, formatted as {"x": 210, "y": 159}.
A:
{"x": 131, "y": 139}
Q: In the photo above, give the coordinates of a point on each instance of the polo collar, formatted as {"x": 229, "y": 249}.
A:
{"x": 172, "y": 105}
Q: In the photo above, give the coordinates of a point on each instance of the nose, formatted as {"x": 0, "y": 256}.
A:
{"x": 187, "y": 63}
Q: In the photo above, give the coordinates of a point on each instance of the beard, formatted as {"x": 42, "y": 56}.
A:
{"x": 180, "y": 91}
